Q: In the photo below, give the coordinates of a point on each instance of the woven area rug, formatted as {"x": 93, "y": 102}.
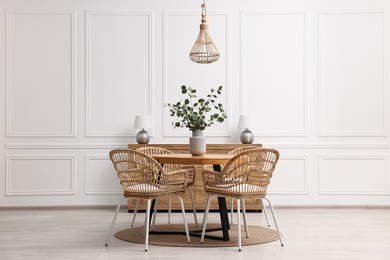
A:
{"x": 257, "y": 235}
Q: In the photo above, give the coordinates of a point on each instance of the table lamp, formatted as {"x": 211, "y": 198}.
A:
{"x": 142, "y": 122}
{"x": 246, "y": 136}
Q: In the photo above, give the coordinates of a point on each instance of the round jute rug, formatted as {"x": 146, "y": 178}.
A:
{"x": 257, "y": 235}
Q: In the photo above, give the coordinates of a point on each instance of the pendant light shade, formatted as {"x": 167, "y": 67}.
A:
{"x": 204, "y": 50}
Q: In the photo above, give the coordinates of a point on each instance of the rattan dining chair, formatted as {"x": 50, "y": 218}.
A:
{"x": 235, "y": 152}
{"x": 142, "y": 177}
{"x": 246, "y": 175}
{"x": 149, "y": 150}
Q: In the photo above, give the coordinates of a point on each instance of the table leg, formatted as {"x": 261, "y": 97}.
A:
{"x": 151, "y": 211}
{"x": 223, "y": 213}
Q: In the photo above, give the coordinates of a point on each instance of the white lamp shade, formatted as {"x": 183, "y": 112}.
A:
{"x": 245, "y": 122}
{"x": 142, "y": 122}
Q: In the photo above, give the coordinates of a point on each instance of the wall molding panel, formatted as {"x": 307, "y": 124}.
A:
{"x": 354, "y": 103}
{"x": 252, "y": 75}
{"x": 197, "y": 72}
{"x": 288, "y": 178}
{"x": 353, "y": 174}
{"x": 97, "y": 180}
{"x": 124, "y": 57}
{"x": 29, "y": 77}
{"x": 45, "y": 175}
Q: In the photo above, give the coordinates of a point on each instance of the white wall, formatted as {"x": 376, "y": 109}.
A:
{"x": 75, "y": 73}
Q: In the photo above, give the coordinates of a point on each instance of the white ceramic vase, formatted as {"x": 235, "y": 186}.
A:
{"x": 197, "y": 143}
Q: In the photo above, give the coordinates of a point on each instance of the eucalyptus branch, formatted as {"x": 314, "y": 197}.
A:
{"x": 193, "y": 112}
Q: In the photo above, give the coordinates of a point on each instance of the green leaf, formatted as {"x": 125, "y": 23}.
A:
{"x": 195, "y": 115}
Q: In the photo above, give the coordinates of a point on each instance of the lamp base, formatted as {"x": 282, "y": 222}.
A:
{"x": 247, "y": 137}
{"x": 143, "y": 137}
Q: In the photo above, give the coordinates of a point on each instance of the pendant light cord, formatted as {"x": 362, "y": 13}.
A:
{"x": 203, "y": 8}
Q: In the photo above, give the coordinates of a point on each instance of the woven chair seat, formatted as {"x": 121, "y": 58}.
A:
{"x": 153, "y": 191}
{"x": 238, "y": 190}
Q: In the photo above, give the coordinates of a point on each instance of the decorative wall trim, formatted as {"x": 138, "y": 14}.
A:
{"x": 305, "y": 191}
{"x": 361, "y": 157}
{"x": 65, "y": 146}
{"x": 384, "y": 131}
{"x": 10, "y": 158}
{"x": 9, "y": 132}
{"x": 124, "y": 146}
{"x": 243, "y": 14}
{"x": 167, "y": 133}
{"x": 329, "y": 146}
{"x": 88, "y": 14}
{"x": 88, "y": 159}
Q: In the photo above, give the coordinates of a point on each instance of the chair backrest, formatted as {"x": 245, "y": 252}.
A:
{"x": 243, "y": 149}
{"x": 235, "y": 152}
{"x": 149, "y": 150}
{"x": 135, "y": 168}
{"x": 253, "y": 167}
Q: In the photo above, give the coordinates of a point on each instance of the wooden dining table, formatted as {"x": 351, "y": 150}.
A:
{"x": 207, "y": 159}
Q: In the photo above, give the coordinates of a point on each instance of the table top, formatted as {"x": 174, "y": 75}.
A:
{"x": 190, "y": 159}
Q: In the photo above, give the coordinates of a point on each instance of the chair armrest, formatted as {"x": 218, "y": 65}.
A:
{"x": 175, "y": 178}
{"x": 191, "y": 169}
{"x": 211, "y": 177}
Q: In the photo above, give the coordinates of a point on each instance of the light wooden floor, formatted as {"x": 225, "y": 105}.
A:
{"x": 314, "y": 234}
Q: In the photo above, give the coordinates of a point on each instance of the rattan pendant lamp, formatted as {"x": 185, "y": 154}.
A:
{"x": 204, "y": 50}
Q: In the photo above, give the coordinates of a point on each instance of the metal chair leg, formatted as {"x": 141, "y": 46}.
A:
{"x": 169, "y": 209}
{"x": 193, "y": 206}
{"x": 184, "y": 218}
{"x": 154, "y": 214}
{"x": 110, "y": 232}
{"x": 231, "y": 210}
{"x": 147, "y": 225}
{"x": 206, "y": 213}
{"x": 239, "y": 224}
{"x": 244, "y": 214}
{"x": 265, "y": 214}
{"x": 276, "y": 223}
{"x": 135, "y": 212}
